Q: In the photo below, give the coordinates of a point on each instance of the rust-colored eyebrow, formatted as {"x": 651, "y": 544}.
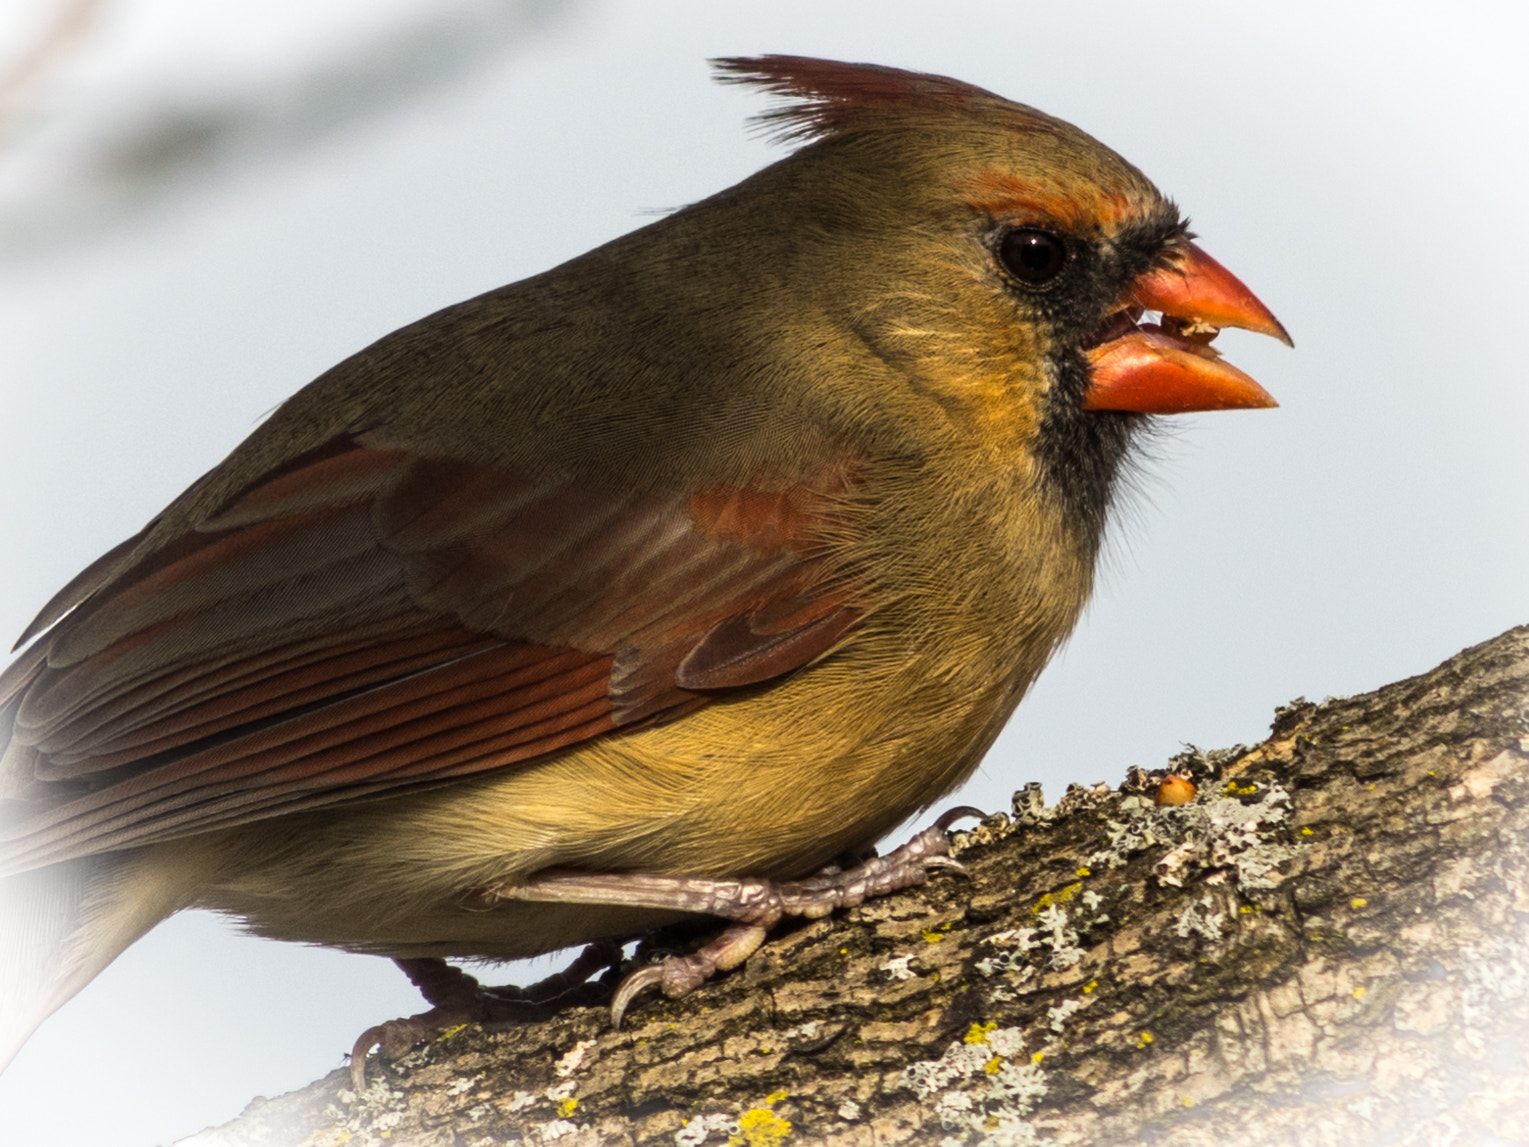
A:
{"x": 1078, "y": 208}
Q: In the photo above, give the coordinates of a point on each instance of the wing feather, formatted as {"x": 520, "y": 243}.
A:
{"x": 364, "y": 619}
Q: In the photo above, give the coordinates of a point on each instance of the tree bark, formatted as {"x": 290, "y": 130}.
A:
{"x": 1326, "y": 946}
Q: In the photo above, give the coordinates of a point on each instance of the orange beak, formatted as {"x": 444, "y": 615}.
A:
{"x": 1171, "y": 368}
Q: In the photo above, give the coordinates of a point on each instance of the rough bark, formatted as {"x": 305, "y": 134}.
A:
{"x": 1327, "y": 946}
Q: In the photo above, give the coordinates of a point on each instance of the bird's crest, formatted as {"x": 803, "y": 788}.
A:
{"x": 830, "y": 97}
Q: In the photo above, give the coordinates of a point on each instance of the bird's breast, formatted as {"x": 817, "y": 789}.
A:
{"x": 967, "y": 592}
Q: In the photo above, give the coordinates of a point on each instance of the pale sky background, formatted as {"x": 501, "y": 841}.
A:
{"x": 202, "y": 206}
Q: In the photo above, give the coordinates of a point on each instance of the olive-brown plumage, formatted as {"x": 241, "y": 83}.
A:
{"x": 717, "y": 551}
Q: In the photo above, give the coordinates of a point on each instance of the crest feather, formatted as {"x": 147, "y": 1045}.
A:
{"x": 830, "y": 97}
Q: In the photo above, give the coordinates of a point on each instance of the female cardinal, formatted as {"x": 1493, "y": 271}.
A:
{"x": 711, "y": 554}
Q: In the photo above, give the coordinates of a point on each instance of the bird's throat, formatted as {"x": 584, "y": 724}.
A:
{"x": 1080, "y": 455}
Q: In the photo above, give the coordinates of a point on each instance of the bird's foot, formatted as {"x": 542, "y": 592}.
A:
{"x": 457, "y": 998}
{"x": 753, "y": 906}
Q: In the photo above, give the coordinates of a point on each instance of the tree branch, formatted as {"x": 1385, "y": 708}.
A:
{"x": 1328, "y": 945}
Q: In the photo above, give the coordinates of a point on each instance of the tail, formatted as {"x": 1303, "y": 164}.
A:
{"x": 60, "y": 926}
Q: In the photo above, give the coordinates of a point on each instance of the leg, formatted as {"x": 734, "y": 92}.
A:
{"x": 457, "y": 998}
{"x": 754, "y": 906}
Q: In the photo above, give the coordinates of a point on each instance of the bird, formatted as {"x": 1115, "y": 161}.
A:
{"x": 647, "y": 588}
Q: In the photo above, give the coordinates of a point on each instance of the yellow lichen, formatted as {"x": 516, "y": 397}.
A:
{"x": 978, "y": 1033}
{"x": 1061, "y": 897}
{"x": 1358, "y": 902}
{"x": 567, "y": 1107}
{"x": 994, "y": 1065}
{"x": 1090, "y": 986}
{"x": 1083, "y": 872}
{"x": 449, "y": 1032}
{"x": 775, "y": 1097}
{"x": 760, "y": 1127}
{"x": 1144, "y": 1039}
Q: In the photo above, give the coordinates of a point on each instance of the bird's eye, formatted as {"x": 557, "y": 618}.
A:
{"x": 1033, "y": 257}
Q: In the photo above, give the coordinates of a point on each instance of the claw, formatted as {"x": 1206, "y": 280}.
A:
{"x": 370, "y": 1038}
{"x": 960, "y": 812}
{"x": 947, "y": 864}
{"x": 632, "y": 987}
{"x": 395, "y": 1037}
{"x": 680, "y": 975}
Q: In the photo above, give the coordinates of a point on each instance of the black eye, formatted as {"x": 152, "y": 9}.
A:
{"x": 1033, "y": 257}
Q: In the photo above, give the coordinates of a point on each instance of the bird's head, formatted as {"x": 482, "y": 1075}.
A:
{"x": 1021, "y": 271}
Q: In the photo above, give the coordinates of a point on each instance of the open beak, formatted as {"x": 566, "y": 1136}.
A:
{"x": 1170, "y": 367}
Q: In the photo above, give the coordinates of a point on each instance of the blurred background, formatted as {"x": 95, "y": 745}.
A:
{"x": 202, "y": 206}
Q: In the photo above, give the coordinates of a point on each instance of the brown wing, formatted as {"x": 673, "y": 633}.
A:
{"x": 365, "y": 619}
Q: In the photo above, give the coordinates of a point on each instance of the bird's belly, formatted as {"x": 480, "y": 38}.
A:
{"x": 774, "y": 785}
